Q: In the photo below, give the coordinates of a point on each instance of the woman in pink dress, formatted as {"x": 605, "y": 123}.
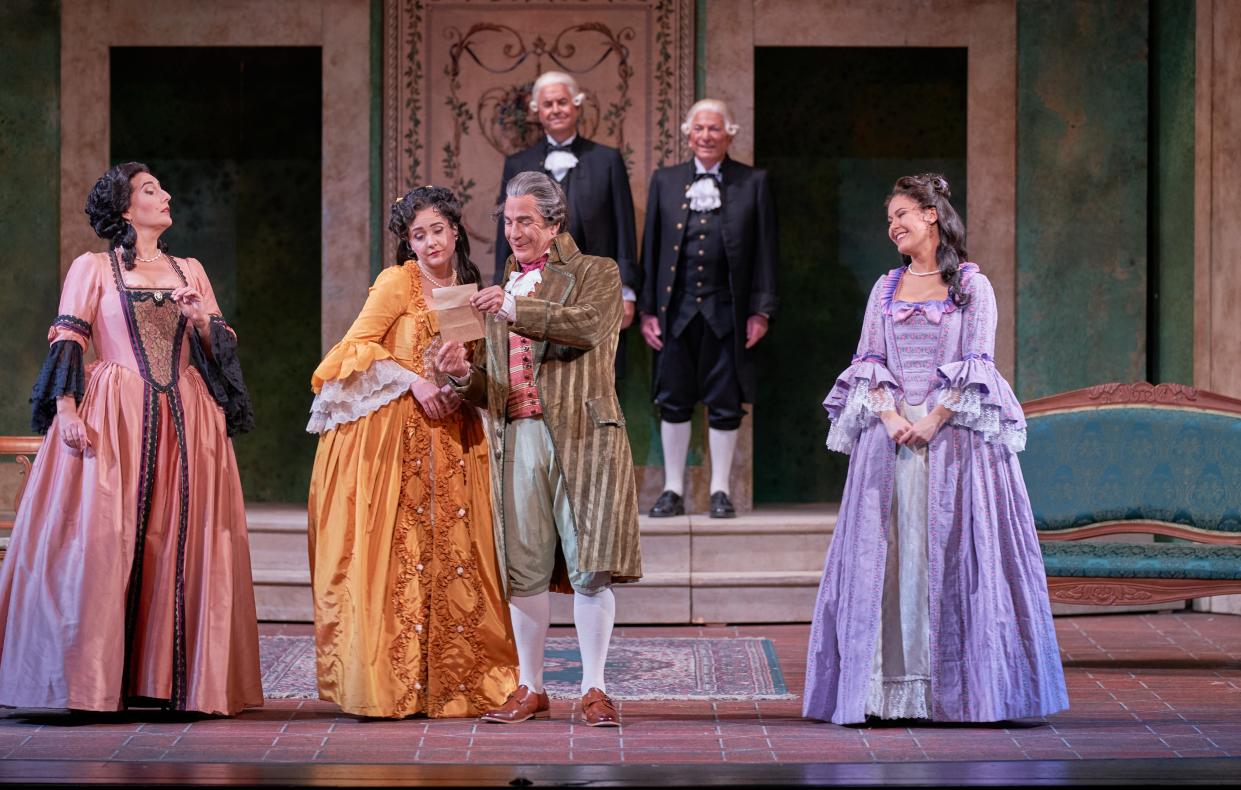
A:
{"x": 127, "y": 580}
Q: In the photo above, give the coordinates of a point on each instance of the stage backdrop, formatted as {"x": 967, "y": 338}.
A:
{"x": 457, "y": 78}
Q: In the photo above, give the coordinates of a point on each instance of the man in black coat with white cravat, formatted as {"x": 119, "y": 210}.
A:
{"x": 595, "y": 182}
{"x": 709, "y": 257}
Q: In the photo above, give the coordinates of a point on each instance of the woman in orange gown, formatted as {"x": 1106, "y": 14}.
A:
{"x": 409, "y": 612}
{"x": 127, "y": 580}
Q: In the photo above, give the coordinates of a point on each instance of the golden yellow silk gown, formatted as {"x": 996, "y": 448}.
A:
{"x": 410, "y": 615}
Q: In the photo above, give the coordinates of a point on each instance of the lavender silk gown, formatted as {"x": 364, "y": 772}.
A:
{"x": 992, "y": 651}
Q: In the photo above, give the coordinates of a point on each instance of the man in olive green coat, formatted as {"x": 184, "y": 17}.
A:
{"x": 563, "y": 492}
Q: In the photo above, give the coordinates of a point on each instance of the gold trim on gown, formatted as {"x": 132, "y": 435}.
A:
{"x": 409, "y": 611}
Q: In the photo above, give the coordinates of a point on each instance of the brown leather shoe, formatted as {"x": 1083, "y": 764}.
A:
{"x": 598, "y": 710}
{"x": 522, "y": 704}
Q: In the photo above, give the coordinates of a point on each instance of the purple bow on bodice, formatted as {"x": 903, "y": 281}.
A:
{"x": 934, "y": 311}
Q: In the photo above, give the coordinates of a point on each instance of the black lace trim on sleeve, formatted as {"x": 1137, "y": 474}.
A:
{"x": 222, "y": 372}
{"x": 73, "y": 323}
{"x": 63, "y": 374}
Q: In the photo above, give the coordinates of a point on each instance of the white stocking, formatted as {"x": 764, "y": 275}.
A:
{"x": 594, "y": 615}
{"x": 675, "y": 439}
{"x": 723, "y": 443}
{"x": 531, "y": 615}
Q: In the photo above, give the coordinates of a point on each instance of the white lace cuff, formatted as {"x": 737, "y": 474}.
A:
{"x": 968, "y": 411}
{"x": 345, "y": 400}
{"x": 864, "y": 405}
{"x": 508, "y": 310}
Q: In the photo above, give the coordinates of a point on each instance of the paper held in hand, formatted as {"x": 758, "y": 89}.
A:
{"x": 458, "y": 320}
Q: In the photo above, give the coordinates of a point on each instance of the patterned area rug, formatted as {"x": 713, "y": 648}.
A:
{"x": 693, "y": 668}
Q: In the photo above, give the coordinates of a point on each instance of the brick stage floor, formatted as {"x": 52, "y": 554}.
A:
{"x": 1140, "y": 686}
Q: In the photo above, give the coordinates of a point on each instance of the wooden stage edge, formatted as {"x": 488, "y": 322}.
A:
{"x": 65, "y": 773}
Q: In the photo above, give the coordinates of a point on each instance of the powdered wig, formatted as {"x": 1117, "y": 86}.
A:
{"x": 548, "y": 197}
{"x": 930, "y": 190}
{"x": 712, "y": 105}
{"x": 555, "y": 78}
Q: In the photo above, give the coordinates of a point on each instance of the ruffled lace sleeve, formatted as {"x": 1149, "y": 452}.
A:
{"x": 63, "y": 372}
{"x": 979, "y": 397}
{"x": 344, "y": 400}
{"x": 866, "y": 387}
{"x": 221, "y": 371}
{"x": 217, "y": 360}
{"x": 359, "y": 375}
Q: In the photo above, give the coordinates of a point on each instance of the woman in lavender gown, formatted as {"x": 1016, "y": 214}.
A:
{"x": 934, "y": 601}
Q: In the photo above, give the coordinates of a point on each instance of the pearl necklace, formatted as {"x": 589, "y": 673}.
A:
{"x": 154, "y": 257}
{"x": 451, "y": 281}
{"x": 909, "y": 268}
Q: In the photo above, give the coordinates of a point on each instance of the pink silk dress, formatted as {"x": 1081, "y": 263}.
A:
{"x": 127, "y": 579}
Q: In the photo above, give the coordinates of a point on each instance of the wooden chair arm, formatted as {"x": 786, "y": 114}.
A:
{"x": 24, "y": 448}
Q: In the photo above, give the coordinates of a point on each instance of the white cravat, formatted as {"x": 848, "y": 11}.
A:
{"x": 558, "y": 162}
{"x": 519, "y": 284}
{"x": 704, "y": 193}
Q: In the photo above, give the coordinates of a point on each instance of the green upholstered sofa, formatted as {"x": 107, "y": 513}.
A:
{"x": 1136, "y": 458}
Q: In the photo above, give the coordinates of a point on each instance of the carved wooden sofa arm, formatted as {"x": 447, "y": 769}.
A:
{"x": 23, "y": 450}
{"x": 1136, "y": 458}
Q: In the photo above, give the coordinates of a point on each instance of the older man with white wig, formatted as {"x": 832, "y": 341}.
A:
{"x": 594, "y": 180}
{"x": 709, "y": 258}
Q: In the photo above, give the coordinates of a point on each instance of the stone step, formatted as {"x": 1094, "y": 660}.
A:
{"x": 763, "y": 566}
{"x": 790, "y": 538}
{"x": 282, "y": 595}
{"x": 745, "y": 597}
{"x": 795, "y": 539}
{"x": 753, "y": 596}
{"x": 660, "y": 552}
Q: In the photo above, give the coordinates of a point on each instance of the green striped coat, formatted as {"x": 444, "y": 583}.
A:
{"x": 574, "y": 320}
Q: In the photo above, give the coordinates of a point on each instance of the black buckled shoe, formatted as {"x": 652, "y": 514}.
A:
{"x": 722, "y": 506}
{"x": 668, "y": 505}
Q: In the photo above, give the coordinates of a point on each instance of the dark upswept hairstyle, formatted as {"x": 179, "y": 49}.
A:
{"x": 930, "y": 190}
{"x": 447, "y": 206}
{"x": 105, "y": 204}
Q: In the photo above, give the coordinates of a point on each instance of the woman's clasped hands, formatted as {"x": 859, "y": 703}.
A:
{"x": 916, "y": 434}
{"x": 437, "y": 402}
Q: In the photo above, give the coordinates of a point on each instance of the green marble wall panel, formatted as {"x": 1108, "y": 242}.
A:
{"x": 234, "y": 135}
{"x": 29, "y": 198}
{"x": 1173, "y": 67}
{"x": 834, "y": 146}
{"x": 1082, "y": 120}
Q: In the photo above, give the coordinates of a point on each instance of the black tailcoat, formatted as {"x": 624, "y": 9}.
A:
{"x": 751, "y": 250}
